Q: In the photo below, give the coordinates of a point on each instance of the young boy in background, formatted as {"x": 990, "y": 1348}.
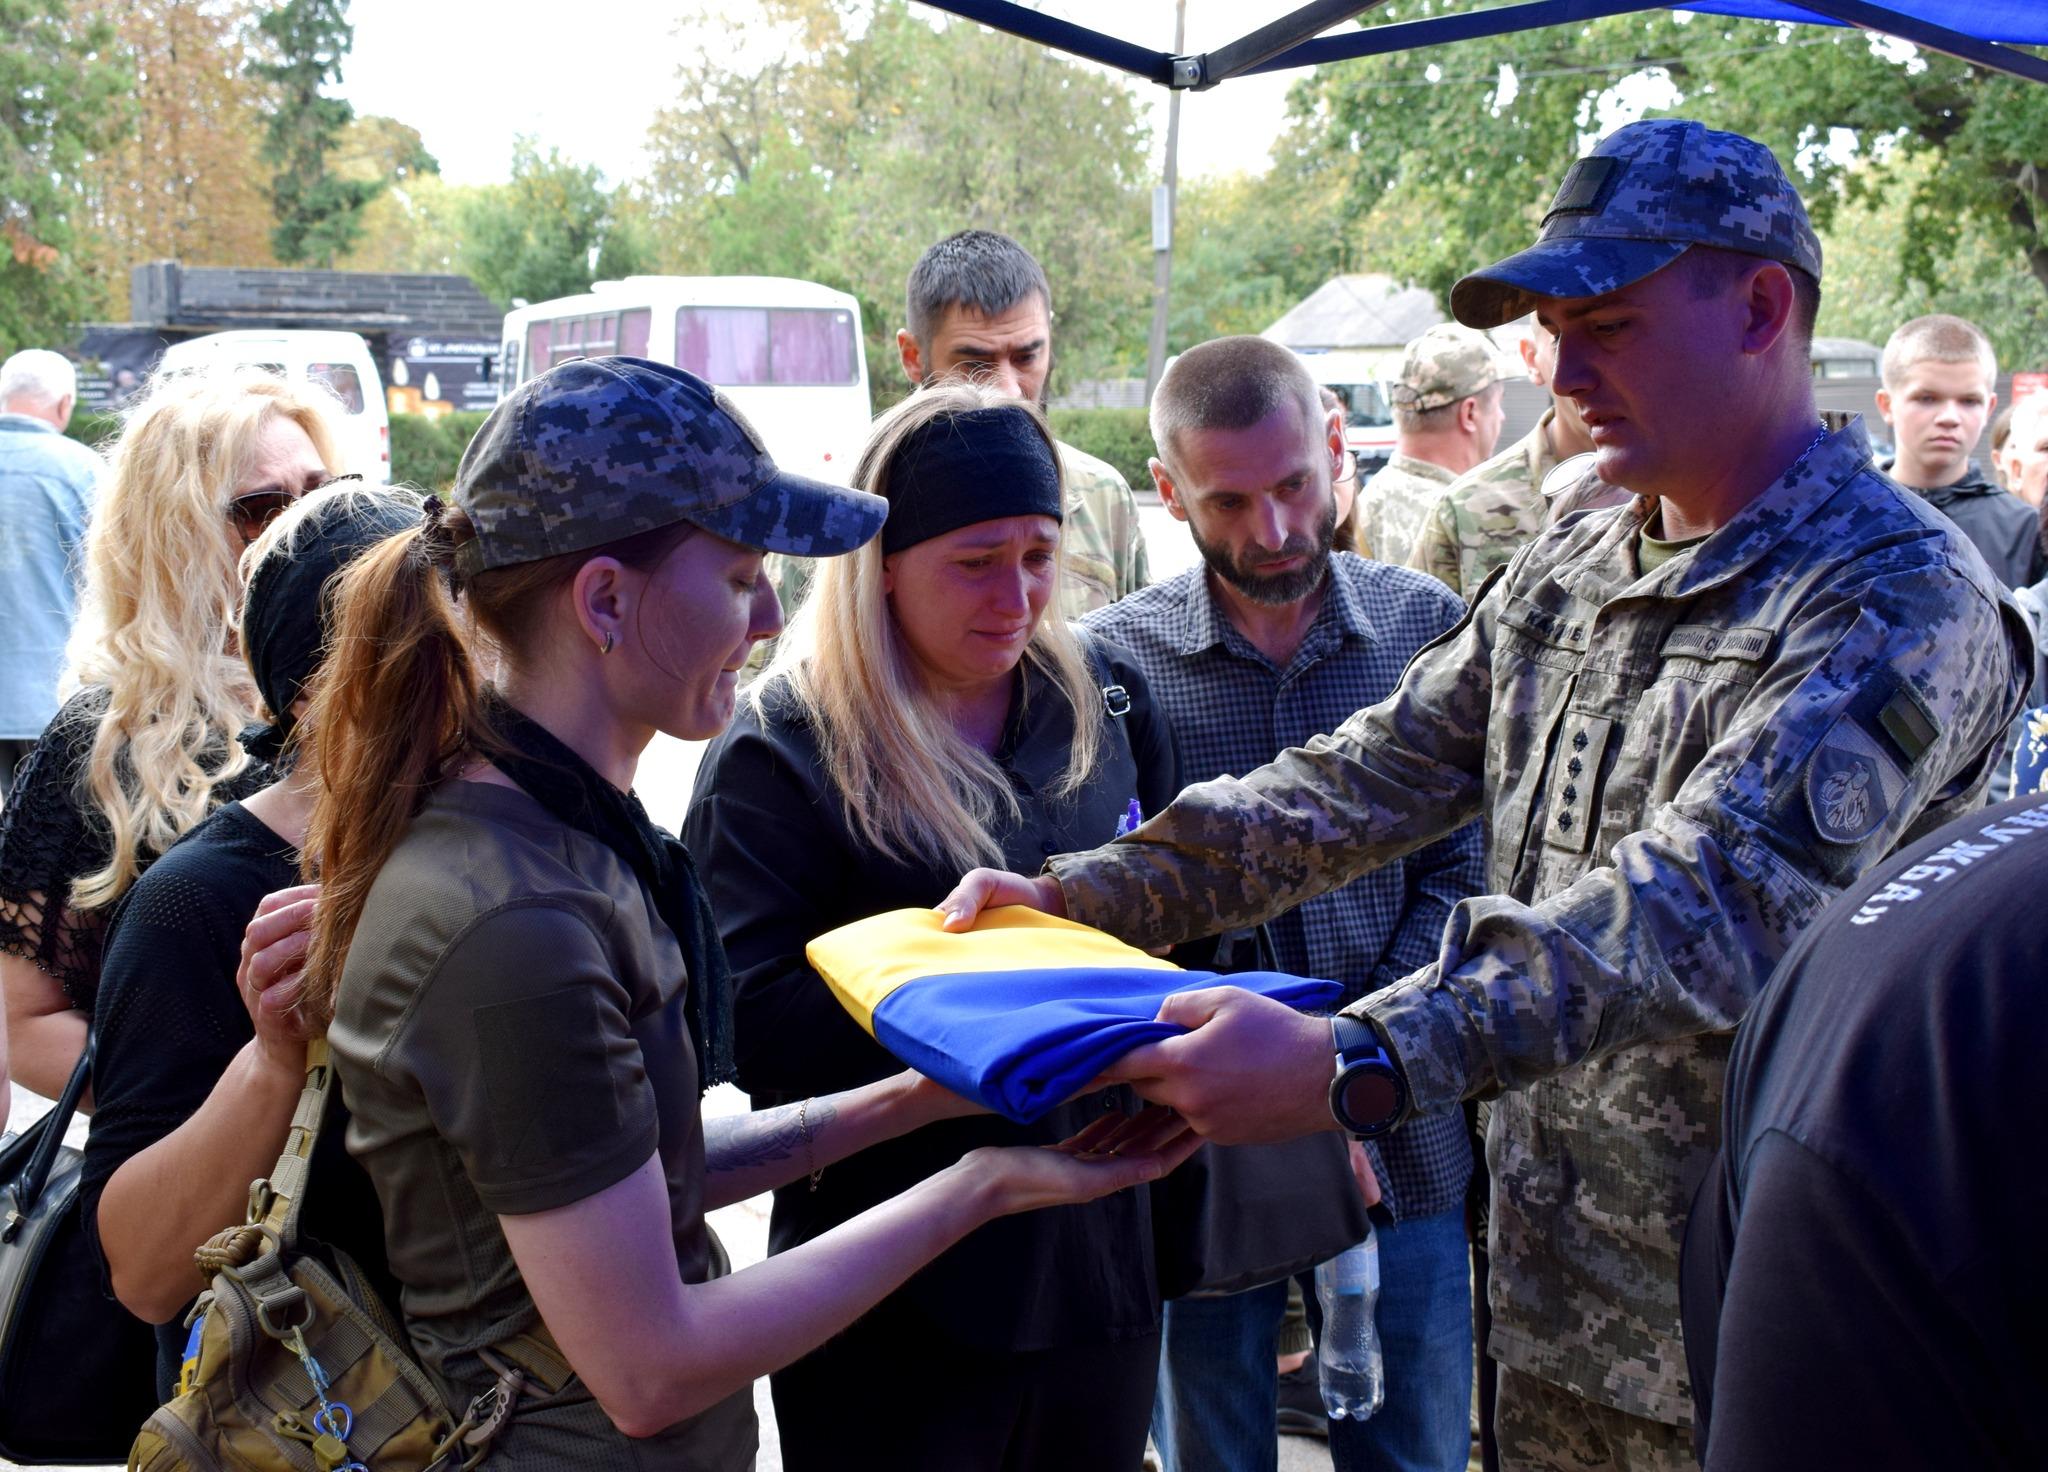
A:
{"x": 1939, "y": 389}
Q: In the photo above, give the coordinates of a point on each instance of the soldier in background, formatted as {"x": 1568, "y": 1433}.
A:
{"x": 1494, "y": 510}
{"x": 1447, "y": 419}
{"x": 1690, "y": 720}
{"x": 978, "y": 306}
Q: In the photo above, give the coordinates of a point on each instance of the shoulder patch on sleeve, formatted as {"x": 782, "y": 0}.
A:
{"x": 1852, "y": 782}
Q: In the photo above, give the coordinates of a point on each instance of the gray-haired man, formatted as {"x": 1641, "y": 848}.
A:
{"x": 1447, "y": 419}
{"x": 47, "y": 483}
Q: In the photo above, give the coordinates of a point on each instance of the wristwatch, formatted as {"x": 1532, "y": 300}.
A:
{"x": 1369, "y": 1094}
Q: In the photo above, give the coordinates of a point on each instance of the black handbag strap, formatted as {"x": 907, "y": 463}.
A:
{"x": 27, "y": 1188}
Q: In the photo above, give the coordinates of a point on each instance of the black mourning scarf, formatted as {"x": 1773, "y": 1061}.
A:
{"x": 572, "y": 791}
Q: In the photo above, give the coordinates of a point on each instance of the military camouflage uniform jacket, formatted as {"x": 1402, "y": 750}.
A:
{"x": 1677, "y": 772}
{"x": 1100, "y": 541}
{"x": 1398, "y": 499}
{"x": 1489, "y": 514}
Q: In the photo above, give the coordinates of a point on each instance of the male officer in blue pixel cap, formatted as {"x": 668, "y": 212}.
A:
{"x": 1687, "y": 721}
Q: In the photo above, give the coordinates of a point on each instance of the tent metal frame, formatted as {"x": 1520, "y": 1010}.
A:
{"x": 1296, "y": 40}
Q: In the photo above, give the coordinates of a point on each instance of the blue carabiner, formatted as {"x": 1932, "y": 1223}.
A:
{"x": 331, "y": 1412}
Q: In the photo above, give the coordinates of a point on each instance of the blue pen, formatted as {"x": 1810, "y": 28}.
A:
{"x": 1128, "y": 823}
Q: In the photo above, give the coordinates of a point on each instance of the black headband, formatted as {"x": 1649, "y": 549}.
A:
{"x": 964, "y": 468}
{"x": 284, "y": 616}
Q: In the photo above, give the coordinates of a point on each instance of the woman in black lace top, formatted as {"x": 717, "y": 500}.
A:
{"x": 145, "y": 749}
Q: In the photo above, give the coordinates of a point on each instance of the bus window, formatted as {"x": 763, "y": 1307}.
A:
{"x": 740, "y": 346}
{"x": 634, "y": 332}
{"x": 343, "y": 380}
{"x": 539, "y": 348}
{"x": 724, "y": 345}
{"x": 812, "y": 347}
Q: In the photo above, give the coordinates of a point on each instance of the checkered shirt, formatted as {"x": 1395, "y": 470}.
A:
{"x": 1231, "y": 711}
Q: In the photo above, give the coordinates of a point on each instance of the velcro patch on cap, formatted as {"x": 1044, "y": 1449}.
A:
{"x": 1586, "y": 187}
{"x": 732, "y": 412}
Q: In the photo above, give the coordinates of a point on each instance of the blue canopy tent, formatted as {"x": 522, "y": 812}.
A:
{"x": 1979, "y": 31}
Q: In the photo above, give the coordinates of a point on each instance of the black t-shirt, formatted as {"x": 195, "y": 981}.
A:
{"x": 169, "y": 1020}
{"x": 1863, "y": 1278}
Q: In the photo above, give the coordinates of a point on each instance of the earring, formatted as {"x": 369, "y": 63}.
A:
{"x": 607, "y": 642}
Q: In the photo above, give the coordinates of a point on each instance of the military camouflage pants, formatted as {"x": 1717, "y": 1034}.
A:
{"x": 1546, "y": 1428}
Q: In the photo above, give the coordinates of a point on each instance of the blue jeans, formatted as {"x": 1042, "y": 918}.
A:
{"x": 1217, "y": 1378}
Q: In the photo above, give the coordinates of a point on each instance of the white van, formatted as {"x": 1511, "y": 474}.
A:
{"x": 1358, "y": 379}
{"x": 789, "y": 353}
{"x": 339, "y": 360}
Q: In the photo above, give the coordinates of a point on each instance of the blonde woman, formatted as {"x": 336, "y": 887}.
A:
{"x": 146, "y": 746}
{"x": 924, "y": 712}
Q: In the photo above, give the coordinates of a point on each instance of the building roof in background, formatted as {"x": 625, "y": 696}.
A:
{"x": 1368, "y": 310}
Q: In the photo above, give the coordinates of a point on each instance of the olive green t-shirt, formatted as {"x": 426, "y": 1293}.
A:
{"x": 510, "y": 1035}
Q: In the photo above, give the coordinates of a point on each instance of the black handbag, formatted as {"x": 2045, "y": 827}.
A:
{"x": 77, "y": 1371}
{"x": 1236, "y": 1216}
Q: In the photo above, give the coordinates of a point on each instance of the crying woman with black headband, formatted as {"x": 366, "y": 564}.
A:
{"x": 927, "y": 711}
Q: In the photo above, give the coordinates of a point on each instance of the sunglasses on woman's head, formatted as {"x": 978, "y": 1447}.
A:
{"x": 252, "y": 511}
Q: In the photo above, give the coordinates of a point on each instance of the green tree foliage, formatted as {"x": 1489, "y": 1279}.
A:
{"x": 550, "y": 232}
{"x": 1473, "y": 138}
{"x": 840, "y": 155}
{"x": 1868, "y": 294}
{"x": 319, "y": 210}
{"x": 1248, "y": 247}
{"x": 62, "y": 96}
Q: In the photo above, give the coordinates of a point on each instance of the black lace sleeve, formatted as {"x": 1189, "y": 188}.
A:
{"x": 50, "y": 835}
{"x": 48, "y": 838}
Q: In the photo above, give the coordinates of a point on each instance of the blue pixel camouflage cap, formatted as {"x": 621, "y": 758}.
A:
{"x": 1636, "y": 203}
{"x": 603, "y": 448}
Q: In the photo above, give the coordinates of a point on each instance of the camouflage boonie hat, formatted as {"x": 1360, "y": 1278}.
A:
{"x": 604, "y": 448}
{"x": 1445, "y": 364}
{"x": 1634, "y": 205}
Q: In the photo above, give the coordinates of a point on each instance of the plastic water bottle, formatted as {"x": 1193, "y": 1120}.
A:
{"x": 1348, "y": 1360}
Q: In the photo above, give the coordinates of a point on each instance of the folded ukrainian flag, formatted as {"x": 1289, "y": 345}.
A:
{"x": 1022, "y": 1011}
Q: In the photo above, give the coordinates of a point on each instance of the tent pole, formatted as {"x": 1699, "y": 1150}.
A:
{"x": 1469, "y": 25}
{"x": 1926, "y": 34}
{"x": 1162, "y": 222}
{"x": 1060, "y": 35}
{"x": 1276, "y": 38}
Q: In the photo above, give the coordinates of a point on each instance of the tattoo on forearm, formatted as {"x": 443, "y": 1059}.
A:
{"x": 763, "y": 1138}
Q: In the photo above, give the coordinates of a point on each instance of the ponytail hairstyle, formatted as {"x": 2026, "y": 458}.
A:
{"x": 400, "y": 701}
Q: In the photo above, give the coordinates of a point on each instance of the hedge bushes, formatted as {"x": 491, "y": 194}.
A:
{"x": 425, "y": 452}
{"x": 1120, "y": 436}
{"x": 92, "y": 429}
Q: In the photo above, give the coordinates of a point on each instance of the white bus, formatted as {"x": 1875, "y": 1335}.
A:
{"x": 789, "y": 353}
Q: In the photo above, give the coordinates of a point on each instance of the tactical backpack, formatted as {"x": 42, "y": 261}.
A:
{"x": 293, "y": 1365}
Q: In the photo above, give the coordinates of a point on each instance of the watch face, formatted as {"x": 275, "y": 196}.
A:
{"x": 1370, "y": 1096}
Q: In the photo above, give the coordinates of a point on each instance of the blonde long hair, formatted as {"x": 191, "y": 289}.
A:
{"x": 909, "y": 785}
{"x": 159, "y": 608}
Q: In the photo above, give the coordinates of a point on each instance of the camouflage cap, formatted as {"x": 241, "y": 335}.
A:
{"x": 1634, "y": 205}
{"x": 603, "y": 448}
{"x": 1445, "y": 364}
